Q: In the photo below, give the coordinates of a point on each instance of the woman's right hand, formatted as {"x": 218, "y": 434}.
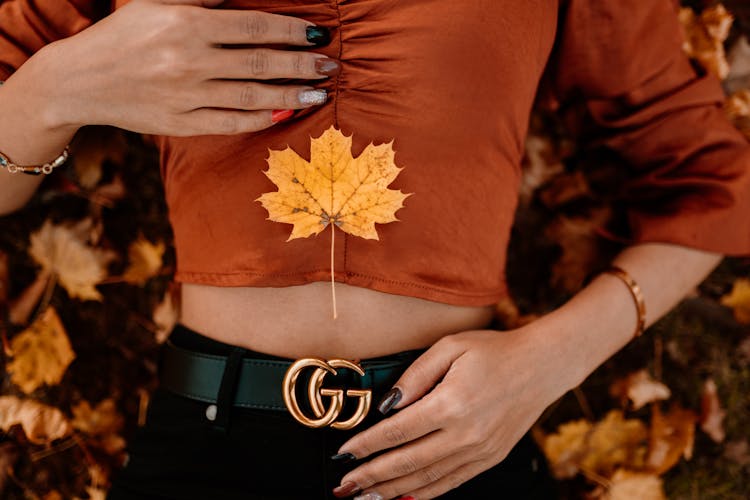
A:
{"x": 158, "y": 67}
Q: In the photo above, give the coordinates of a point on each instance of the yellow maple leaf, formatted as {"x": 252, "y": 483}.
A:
{"x": 739, "y": 300}
{"x": 145, "y": 260}
{"x": 41, "y": 423}
{"x": 333, "y": 187}
{"x": 62, "y": 251}
{"x": 41, "y": 353}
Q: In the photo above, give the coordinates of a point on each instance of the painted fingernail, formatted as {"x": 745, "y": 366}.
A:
{"x": 343, "y": 458}
{"x": 347, "y": 489}
{"x": 313, "y": 97}
{"x": 407, "y": 498}
{"x": 370, "y": 496}
{"x": 327, "y": 66}
{"x": 278, "y": 115}
{"x": 390, "y": 400}
{"x": 318, "y": 35}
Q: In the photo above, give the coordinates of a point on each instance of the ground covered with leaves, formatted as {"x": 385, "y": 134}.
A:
{"x": 86, "y": 298}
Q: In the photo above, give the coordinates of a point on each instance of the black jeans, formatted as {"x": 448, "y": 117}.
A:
{"x": 266, "y": 454}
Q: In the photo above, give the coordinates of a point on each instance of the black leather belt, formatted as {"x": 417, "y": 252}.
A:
{"x": 199, "y": 375}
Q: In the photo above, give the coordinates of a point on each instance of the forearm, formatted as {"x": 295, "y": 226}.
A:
{"x": 602, "y": 318}
{"x": 28, "y": 134}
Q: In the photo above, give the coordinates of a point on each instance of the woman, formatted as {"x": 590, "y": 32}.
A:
{"x": 452, "y": 86}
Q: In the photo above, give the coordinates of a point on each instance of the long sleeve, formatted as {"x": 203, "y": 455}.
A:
{"x": 28, "y": 25}
{"x": 689, "y": 176}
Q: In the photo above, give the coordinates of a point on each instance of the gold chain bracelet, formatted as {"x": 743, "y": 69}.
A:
{"x": 637, "y": 294}
{"x": 47, "y": 168}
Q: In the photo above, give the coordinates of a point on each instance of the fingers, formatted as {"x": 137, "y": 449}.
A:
{"x": 207, "y": 121}
{"x": 256, "y": 96}
{"x": 265, "y": 64}
{"x": 407, "y": 425}
{"x": 250, "y": 26}
{"x": 423, "y": 374}
{"x": 447, "y": 472}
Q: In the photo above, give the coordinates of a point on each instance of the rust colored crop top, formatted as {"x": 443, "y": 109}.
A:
{"x": 452, "y": 84}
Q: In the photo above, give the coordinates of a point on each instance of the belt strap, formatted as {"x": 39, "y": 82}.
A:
{"x": 198, "y": 376}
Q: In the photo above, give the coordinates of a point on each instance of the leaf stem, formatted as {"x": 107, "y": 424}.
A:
{"x": 333, "y": 287}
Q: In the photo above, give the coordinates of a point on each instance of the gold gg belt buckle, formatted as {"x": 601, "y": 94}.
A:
{"x": 316, "y": 391}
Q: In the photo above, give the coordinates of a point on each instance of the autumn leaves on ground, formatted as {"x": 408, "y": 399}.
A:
{"x": 86, "y": 298}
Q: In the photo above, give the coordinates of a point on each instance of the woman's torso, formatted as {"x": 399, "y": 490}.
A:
{"x": 452, "y": 83}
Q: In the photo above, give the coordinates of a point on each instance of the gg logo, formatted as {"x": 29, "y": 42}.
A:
{"x": 315, "y": 391}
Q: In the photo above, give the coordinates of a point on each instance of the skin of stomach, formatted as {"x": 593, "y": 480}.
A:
{"x": 297, "y": 321}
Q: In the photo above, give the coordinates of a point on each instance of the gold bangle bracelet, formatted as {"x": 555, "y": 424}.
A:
{"x": 47, "y": 168}
{"x": 637, "y": 294}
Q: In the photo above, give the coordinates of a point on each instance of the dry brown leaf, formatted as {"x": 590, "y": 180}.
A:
{"x": 671, "y": 436}
{"x": 99, "y": 420}
{"x": 165, "y": 315}
{"x": 540, "y": 165}
{"x": 712, "y": 414}
{"x": 629, "y": 485}
{"x": 737, "y": 108}
{"x": 565, "y": 448}
{"x": 62, "y": 251}
{"x": 739, "y": 300}
{"x": 598, "y": 448}
{"x": 640, "y": 389}
{"x": 41, "y": 423}
{"x": 145, "y": 261}
{"x": 92, "y": 148}
{"x": 53, "y": 495}
{"x": 738, "y": 452}
{"x": 41, "y": 353}
{"x": 704, "y": 37}
{"x": 614, "y": 442}
{"x": 23, "y": 305}
{"x": 580, "y": 245}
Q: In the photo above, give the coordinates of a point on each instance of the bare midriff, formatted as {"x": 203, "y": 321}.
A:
{"x": 297, "y": 321}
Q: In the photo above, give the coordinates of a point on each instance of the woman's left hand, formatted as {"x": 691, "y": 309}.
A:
{"x": 491, "y": 387}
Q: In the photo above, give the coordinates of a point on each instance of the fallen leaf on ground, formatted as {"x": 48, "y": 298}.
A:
{"x": 712, "y": 414}
{"x": 640, "y": 389}
{"x": 629, "y": 485}
{"x": 23, "y": 306}
{"x": 60, "y": 250}
{"x": 41, "y": 353}
{"x": 671, "y": 436}
{"x": 101, "y": 419}
{"x": 704, "y": 37}
{"x": 41, "y": 423}
{"x": 93, "y": 147}
{"x": 540, "y": 164}
{"x": 597, "y": 448}
{"x": 145, "y": 260}
{"x": 739, "y": 300}
{"x": 580, "y": 246}
{"x": 165, "y": 314}
{"x": 565, "y": 448}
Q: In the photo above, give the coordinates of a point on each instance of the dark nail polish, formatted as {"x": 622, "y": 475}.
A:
{"x": 390, "y": 400}
{"x": 343, "y": 458}
{"x": 318, "y": 35}
{"x": 327, "y": 66}
{"x": 278, "y": 115}
{"x": 347, "y": 489}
